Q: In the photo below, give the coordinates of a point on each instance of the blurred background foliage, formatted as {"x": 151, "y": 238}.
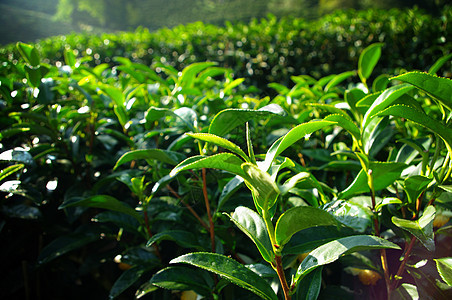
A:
{"x": 26, "y": 21}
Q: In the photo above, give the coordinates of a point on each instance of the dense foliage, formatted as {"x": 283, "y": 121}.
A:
{"x": 272, "y": 50}
{"x": 166, "y": 178}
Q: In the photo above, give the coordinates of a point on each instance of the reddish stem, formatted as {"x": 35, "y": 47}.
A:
{"x": 282, "y": 277}
{"x": 203, "y": 224}
{"x": 148, "y": 230}
{"x": 209, "y": 214}
{"x": 407, "y": 253}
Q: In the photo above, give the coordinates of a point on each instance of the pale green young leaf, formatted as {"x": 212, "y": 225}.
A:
{"x": 348, "y": 125}
{"x": 29, "y": 54}
{"x": 228, "y": 119}
{"x": 299, "y": 218}
{"x": 252, "y": 224}
{"x": 338, "y": 79}
{"x": 264, "y": 189}
{"x": 219, "y": 141}
{"x": 169, "y": 157}
{"x": 10, "y": 170}
{"x": 231, "y": 270}
{"x": 368, "y": 60}
{"x": 422, "y": 228}
{"x": 384, "y": 100}
{"x": 295, "y": 134}
{"x": 223, "y": 161}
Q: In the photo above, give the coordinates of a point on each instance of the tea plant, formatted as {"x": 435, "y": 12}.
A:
{"x": 131, "y": 176}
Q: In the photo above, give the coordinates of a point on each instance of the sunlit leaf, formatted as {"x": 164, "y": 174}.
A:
{"x": 169, "y": 157}
{"x": 229, "y": 269}
{"x": 422, "y": 229}
{"x": 252, "y": 224}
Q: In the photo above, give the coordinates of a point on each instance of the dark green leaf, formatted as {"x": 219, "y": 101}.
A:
{"x": 169, "y": 157}
{"x": 405, "y": 292}
{"x": 103, "y": 201}
{"x": 64, "y": 244}
{"x": 309, "y": 287}
{"x": 183, "y": 279}
{"x": 422, "y": 229}
{"x": 383, "y": 173}
{"x": 229, "y": 269}
{"x": 332, "y": 251}
{"x": 126, "y": 280}
{"x": 350, "y": 214}
{"x": 181, "y": 237}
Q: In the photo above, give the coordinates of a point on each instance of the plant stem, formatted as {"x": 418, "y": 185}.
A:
{"x": 383, "y": 257}
{"x": 406, "y": 255}
{"x": 148, "y": 230}
{"x": 209, "y": 215}
{"x": 193, "y": 212}
{"x": 282, "y": 276}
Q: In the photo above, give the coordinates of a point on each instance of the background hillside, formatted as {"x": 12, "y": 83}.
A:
{"x": 26, "y": 20}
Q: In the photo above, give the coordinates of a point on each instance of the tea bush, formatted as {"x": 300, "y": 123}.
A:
{"x": 272, "y": 50}
{"x": 153, "y": 181}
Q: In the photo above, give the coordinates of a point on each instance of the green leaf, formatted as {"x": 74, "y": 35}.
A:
{"x": 65, "y": 244}
{"x": 69, "y": 58}
{"x": 228, "y": 88}
{"x": 292, "y": 181}
{"x": 183, "y": 238}
{"x": 383, "y": 173}
{"x": 422, "y": 119}
{"x": 405, "y": 292}
{"x": 105, "y": 202}
{"x": 228, "y": 119}
{"x": 190, "y": 72}
{"x": 438, "y": 87}
{"x": 169, "y": 157}
{"x": 348, "y": 125}
{"x": 127, "y": 279}
{"x": 299, "y": 218}
{"x": 332, "y": 251}
{"x": 384, "y": 100}
{"x": 264, "y": 189}
{"x": 387, "y": 201}
{"x": 351, "y": 214}
{"x": 222, "y": 142}
{"x": 10, "y": 170}
{"x": 29, "y": 54}
{"x": 338, "y": 79}
{"x": 229, "y": 189}
{"x": 368, "y": 60}
{"x": 309, "y": 287}
{"x": 287, "y": 140}
{"x": 439, "y": 63}
{"x": 380, "y": 83}
{"x": 223, "y": 161}
{"x": 252, "y": 224}
{"x": 231, "y": 270}
{"x": 414, "y": 186}
{"x": 444, "y": 267}
{"x": 422, "y": 228}
{"x": 183, "y": 279}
